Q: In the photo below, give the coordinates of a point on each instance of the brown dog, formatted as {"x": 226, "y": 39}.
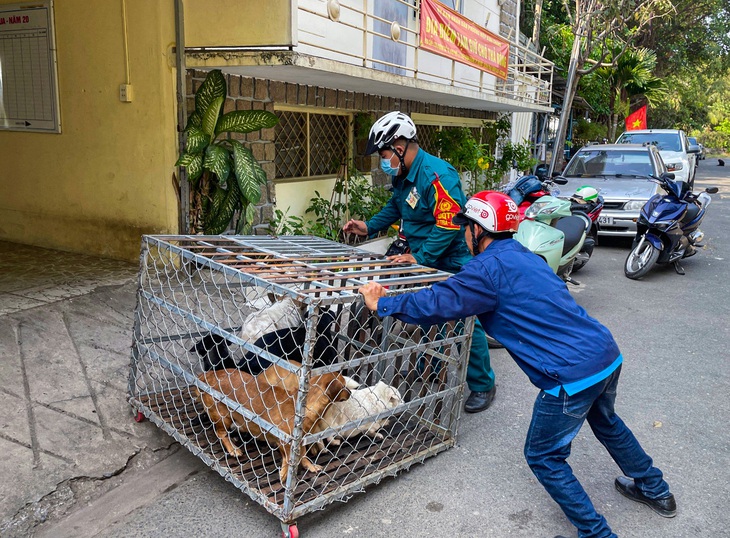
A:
{"x": 271, "y": 402}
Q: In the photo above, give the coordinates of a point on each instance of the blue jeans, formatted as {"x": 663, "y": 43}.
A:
{"x": 556, "y": 421}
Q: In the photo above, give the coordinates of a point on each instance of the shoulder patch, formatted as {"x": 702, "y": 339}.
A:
{"x": 445, "y": 207}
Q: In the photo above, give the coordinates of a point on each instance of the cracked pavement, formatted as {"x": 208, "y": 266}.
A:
{"x": 65, "y": 335}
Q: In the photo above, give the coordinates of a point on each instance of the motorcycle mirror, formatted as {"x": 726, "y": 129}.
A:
{"x": 668, "y": 175}
{"x": 711, "y": 190}
{"x": 560, "y": 180}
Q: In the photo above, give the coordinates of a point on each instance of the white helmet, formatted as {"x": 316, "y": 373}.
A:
{"x": 585, "y": 193}
{"x": 388, "y": 128}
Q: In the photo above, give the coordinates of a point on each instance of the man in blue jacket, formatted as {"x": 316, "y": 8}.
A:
{"x": 567, "y": 354}
{"x": 426, "y": 196}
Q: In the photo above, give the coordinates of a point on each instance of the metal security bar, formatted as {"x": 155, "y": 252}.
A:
{"x": 259, "y": 356}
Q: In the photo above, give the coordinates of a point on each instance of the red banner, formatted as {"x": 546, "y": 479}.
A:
{"x": 636, "y": 120}
{"x": 448, "y": 33}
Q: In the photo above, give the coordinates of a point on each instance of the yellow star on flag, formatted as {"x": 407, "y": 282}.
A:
{"x": 637, "y": 123}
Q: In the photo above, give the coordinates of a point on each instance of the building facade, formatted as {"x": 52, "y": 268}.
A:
{"x": 322, "y": 66}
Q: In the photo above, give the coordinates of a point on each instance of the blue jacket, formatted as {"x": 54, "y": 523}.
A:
{"x": 521, "y": 303}
{"x": 433, "y": 188}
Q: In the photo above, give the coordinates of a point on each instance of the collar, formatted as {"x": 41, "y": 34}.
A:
{"x": 415, "y": 166}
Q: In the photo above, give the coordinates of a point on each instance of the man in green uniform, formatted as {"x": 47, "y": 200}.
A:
{"x": 426, "y": 196}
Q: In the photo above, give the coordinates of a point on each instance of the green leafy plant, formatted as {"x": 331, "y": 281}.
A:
{"x": 225, "y": 178}
{"x": 352, "y": 197}
{"x": 484, "y": 170}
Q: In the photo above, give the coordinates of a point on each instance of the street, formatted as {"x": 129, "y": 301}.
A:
{"x": 673, "y": 393}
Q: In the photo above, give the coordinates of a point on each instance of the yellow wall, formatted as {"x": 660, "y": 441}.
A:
{"x": 248, "y": 22}
{"x": 294, "y": 197}
{"x": 106, "y": 179}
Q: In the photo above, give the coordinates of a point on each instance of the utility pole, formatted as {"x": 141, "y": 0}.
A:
{"x": 570, "y": 87}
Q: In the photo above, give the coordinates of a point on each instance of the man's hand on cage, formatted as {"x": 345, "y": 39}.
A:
{"x": 372, "y": 291}
{"x": 403, "y": 258}
{"x": 356, "y": 227}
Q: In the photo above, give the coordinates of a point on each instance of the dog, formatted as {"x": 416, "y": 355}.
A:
{"x": 281, "y": 314}
{"x": 214, "y": 351}
{"x": 286, "y": 343}
{"x": 362, "y": 403}
{"x": 289, "y": 380}
{"x": 270, "y": 402}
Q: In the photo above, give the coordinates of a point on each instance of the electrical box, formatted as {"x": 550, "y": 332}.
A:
{"x": 125, "y": 93}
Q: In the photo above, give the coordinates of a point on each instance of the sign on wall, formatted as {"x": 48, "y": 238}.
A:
{"x": 28, "y": 79}
{"x": 447, "y": 33}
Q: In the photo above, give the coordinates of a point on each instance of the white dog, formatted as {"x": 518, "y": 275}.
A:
{"x": 362, "y": 403}
{"x": 279, "y": 315}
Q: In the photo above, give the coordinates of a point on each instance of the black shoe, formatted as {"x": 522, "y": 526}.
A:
{"x": 666, "y": 507}
{"x": 479, "y": 401}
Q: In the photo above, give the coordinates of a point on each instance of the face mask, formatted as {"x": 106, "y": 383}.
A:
{"x": 385, "y": 167}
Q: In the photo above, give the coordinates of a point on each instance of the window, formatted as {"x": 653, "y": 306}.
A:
{"x": 311, "y": 143}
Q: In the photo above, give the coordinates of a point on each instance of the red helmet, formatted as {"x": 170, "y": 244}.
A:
{"x": 494, "y": 211}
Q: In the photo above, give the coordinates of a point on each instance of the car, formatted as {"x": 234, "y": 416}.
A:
{"x": 622, "y": 175}
{"x": 677, "y": 153}
{"x": 701, "y": 154}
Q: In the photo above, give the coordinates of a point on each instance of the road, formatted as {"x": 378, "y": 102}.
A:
{"x": 673, "y": 332}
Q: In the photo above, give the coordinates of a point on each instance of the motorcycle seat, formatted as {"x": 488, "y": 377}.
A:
{"x": 692, "y": 211}
{"x": 573, "y": 229}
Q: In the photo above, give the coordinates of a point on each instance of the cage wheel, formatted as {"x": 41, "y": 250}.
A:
{"x": 139, "y": 417}
{"x": 291, "y": 532}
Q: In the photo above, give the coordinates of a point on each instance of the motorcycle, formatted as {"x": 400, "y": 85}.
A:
{"x": 590, "y": 209}
{"x": 552, "y": 232}
{"x": 528, "y": 189}
{"x": 668, "y": 227}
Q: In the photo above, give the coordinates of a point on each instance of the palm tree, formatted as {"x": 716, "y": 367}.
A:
{"x": 632, "y": 79}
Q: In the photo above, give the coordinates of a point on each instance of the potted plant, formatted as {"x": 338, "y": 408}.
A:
{"x": 225, "y": 178}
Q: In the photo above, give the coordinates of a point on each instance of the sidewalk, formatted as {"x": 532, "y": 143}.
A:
{"x": 75, "y": 464}
{"x": 65, "y": 335}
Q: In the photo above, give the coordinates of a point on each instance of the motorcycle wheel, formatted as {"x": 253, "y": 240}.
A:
{"x": 493, "y": 344}
{"x": 580, "y": 260}
{"x": 640, "y": 260}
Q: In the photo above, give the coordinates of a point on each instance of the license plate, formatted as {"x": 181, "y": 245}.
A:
{"x": 606, "y": 221}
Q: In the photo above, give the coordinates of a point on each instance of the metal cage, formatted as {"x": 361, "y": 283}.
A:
{"x": 258, "y": 355}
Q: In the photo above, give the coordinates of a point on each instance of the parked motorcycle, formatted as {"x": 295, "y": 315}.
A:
{"x": 586, "y": 202}
{"x": 668, "y": 227}
{"x": 553, "y": 233}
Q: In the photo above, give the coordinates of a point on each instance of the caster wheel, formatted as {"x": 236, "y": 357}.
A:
{"x": 139, "y": 417}
{"x": 291, "y": 532}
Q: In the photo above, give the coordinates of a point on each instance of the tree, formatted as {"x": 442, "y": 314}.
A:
{"x": 631, "y": 76}
{"x": 597, "y": 28}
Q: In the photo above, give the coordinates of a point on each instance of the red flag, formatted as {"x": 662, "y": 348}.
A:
{"x": 636, "y": 120}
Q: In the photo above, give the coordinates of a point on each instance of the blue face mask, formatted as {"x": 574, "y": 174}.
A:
{"x": 385, "y": 167}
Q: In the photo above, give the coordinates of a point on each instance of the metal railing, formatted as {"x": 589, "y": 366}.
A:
{"x": 529, "y": 77}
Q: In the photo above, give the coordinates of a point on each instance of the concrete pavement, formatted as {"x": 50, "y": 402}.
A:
{"x": 74, "y": 463}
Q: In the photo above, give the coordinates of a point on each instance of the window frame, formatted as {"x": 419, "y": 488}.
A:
{"x": 309, "y": 110}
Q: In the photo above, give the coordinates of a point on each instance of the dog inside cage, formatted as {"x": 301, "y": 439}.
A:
{"x": 270, "y": 368}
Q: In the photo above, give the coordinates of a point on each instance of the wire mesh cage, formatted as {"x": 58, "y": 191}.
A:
{"x": 259, "y": 356}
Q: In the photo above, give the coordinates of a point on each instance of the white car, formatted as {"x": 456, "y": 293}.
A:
{"x": 679, "y": 156}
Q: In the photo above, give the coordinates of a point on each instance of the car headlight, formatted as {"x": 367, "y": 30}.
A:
{"x": 674, "y": 166}
{"x": 634, "y": 205}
